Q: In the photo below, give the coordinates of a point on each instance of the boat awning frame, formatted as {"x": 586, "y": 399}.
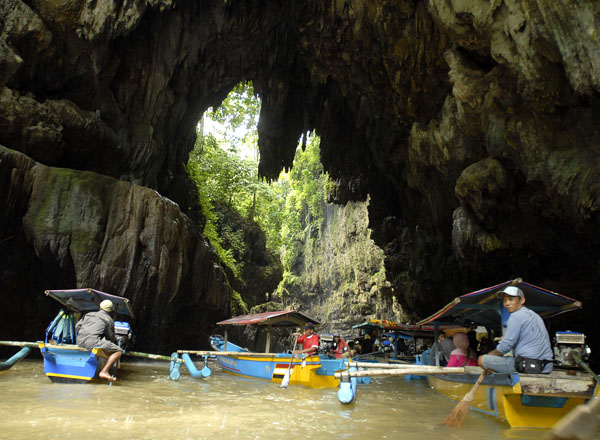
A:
{"x": 282, "y": 318}
{"x": 483, "y": 307}
{"x": 88, "y": 300}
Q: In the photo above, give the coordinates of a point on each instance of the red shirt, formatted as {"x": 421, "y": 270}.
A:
{"x": 309, "y": 342}
{"x": 340, "y": 349}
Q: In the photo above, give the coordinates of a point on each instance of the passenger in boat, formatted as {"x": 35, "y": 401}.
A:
{"x": 97, "y": 330}
{"x": 525, "y": 335}
{"x": 356, "y": 347}
{"x": 462, "y": 355}
{"x": 367, "y": 344}
{"x": 442, "y": 348}
{"x": 340, "y": 347}
{"x": 309, "y": 340}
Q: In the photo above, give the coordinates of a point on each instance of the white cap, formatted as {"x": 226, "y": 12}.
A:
{"x": 106, "y": 305}
{"x": 511, "y": 291}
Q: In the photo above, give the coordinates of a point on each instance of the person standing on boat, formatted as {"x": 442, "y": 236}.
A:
{"x": 340, "y": 347}
{"x": 309, "y": 340}
{"x": 97, "y": 330}
{"x": 525, "y": 335}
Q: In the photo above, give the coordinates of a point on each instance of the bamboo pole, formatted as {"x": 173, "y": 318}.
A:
{"x": 400, "y": 372}
{"x": 21, "y": 344}
{"x": 159, "y": 357}
{"x": 227, "y": 353}
{"x": 383, "y": 365}
{"x": 397, "y": 361}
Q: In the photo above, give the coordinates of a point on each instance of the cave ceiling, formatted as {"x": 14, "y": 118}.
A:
{"x": 471, "y": 125}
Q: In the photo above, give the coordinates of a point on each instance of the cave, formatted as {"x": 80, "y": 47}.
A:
{"x": 471, "y": 126}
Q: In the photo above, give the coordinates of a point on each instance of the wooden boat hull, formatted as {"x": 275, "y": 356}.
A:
{"x": 70, "y": 363}
{"x": 522, "y": 400}
{"x": 313, "y": 372}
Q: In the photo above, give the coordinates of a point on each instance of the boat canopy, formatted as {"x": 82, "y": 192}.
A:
{"x": 405, "y": 331}
{"x": 283, "y": 318}
{"x": 88, "y": 300}
{"x": 484, "y": 307}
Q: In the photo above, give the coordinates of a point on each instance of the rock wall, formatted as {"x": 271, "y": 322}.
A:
{"x": 100, "y": 232}
{"x": 472, "y": 125}
{"x": 339, "y": 276}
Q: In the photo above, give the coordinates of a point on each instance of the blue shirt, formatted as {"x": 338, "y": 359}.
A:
{"x": 526, "y": 336}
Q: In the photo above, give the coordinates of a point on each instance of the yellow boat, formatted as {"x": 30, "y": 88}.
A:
{"x": 522, "y": 400}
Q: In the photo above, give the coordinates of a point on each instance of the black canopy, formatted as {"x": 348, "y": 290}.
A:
{"x": 484, "y": 307}
{"x": 88, "y": 300}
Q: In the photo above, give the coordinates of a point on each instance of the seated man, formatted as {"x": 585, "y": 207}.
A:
{"x": 525, "y": 335}
{"x": 340, "y": 347}
{"x": 97, "y": 330}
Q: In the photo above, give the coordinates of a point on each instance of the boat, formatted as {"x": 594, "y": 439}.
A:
{"x": 64, "y": 360}
{"x": 403, "y": 343}
{"x": 314, "y": 371}
{"x": 522, "y": 400}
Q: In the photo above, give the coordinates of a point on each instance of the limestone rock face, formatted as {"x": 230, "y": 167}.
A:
{"x": 100, "y": 231}
{"x": 472, "y": 125}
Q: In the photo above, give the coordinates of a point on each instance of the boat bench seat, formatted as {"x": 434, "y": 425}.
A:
{"x": 558, "y": 385}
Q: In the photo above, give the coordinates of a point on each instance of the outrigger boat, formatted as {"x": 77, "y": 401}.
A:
{"x": 314, "y": 371}
{"x": 403, "y": 343}
{"x": 64, "y": 361}
{"x": 523, "y": 400}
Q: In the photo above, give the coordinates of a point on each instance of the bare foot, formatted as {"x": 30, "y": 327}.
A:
{"x": 103, "y": 375}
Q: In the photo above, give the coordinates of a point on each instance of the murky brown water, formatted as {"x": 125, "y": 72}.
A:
{"x": 146, "y": 404}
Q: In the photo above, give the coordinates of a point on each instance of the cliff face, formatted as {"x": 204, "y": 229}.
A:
{"x": 339, "y": 277}
{"x": 472, "y": 125}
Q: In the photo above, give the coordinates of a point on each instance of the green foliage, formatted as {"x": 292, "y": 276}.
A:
{"x": 204, "y": 160}
{"x": 238, "y": 306}
{"x": 238, "y": 114}
{"x": 289, "y": 211}
{"x": 303, "y": 210}
{"x": 225, "y": 178}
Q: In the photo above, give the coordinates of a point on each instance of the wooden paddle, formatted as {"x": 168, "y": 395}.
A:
{"x": 457, "y": 416}
{"x": 580, "y": 423}
{"x": 286, "y": 379}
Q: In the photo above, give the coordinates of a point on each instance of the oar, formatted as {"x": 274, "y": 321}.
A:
{"x": 286, "y": 378}
{"x": 457, "y": 416}
{"x": 580, "y": 423}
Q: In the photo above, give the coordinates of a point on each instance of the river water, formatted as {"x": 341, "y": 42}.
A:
{"x": 145, "y": 404}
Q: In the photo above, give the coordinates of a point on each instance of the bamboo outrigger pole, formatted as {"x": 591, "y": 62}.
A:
{"x": 403, "y": 371}
{"x": 159, "y": 357}
{"x": 226, "y": 353}
{"x": 21, "y": 344}
{"x": 384, "y": 365}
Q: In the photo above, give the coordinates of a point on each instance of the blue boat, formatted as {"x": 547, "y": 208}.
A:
{"x": 315, "y": 371}
{"x": 64, "y": 360}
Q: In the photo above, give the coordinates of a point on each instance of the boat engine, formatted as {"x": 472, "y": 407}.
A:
{"x": 568, "y": 346}
{"x": 123, "y": 334}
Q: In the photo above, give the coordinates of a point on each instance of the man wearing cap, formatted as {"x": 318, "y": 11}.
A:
{"x": 309, "y": 340}
{"x": 97, "y": 330}
{"x": 525, "y": 335}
